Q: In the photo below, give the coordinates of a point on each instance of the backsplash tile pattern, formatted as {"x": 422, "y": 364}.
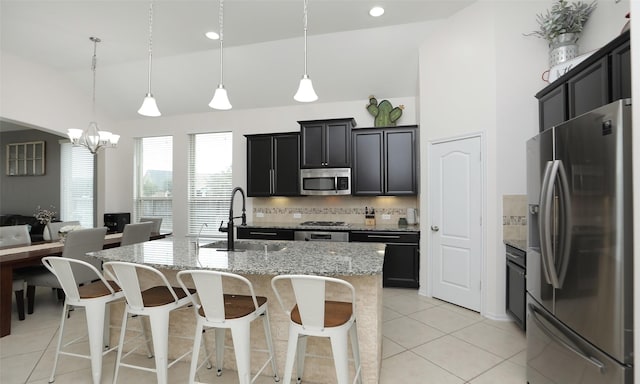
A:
{"x": 319, "y": 208}
{"x": 514, "y": 217}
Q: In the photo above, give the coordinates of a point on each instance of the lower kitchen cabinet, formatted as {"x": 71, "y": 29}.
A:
{"x": 401, "y": 257}
{"x": 401, "y": 266}
{"x": 264, "y": 233}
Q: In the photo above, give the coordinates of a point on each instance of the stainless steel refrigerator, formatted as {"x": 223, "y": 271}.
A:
{"x": 580, "y": 250}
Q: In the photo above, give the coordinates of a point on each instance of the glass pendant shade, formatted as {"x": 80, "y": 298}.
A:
{"x": 220, "y": 99}
{"x": 305, "y": 93}
{"x": 149, "y": 107}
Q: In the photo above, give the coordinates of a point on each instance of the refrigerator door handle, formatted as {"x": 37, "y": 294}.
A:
{"x": 546, "y": 203}
{"x": 590, "y": 359}
{"x": 566, "y": 228}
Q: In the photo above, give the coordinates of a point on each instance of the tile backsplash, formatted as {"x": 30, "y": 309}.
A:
{"x": 514, "y": 217}
{"x": 333, "y": 208}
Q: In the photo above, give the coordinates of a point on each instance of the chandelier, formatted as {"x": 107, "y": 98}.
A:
{"x": 92, "y": 138}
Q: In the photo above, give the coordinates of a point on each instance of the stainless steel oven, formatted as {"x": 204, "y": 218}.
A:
{"x": 317, "y": 231}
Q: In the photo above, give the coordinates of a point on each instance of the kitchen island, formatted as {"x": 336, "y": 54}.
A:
{"x": 358, "y": 263}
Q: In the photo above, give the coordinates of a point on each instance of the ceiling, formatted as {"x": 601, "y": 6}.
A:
{"x": 263, "y": 49}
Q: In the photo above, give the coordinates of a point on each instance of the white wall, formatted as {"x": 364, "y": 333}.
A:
{"x": 479, "y": 74}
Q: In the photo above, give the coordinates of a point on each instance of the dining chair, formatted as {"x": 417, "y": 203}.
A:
{"x": 51, "y": 230}
{"x": 156, "y": 302}
{"x": 136, "y": 233}
{"x": 76, "y": 246}
{"x": 94, "y": 297}
{"x": 15, "y": 235}
{"x": 219, "y": 310}
{"x": 157, "y": 223}
{"x": 314, "y": 315}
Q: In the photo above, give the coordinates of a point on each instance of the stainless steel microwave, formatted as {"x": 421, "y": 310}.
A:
{"x": 325, "y": 181}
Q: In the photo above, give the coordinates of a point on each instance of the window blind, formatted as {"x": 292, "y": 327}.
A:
{"x": 210, "y": 182}
{"x": 76, "y": 184}
{"x": 153, "y": 179}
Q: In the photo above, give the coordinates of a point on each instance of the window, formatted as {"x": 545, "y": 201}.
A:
{"x": 210, "y": 181}
{"x": 153, "y": 179}
{"x": 25, "y": 159}
{"x": 76, "y": 184}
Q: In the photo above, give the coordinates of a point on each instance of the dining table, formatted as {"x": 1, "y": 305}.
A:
{"x": 21, "y": 256}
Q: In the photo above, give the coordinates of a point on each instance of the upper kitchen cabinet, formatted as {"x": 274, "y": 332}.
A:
{"x": 603, "y": 77}
{"x": 273, "y": 164}
{"x": 385, "y": 161}
{"x": 326, "y": 143}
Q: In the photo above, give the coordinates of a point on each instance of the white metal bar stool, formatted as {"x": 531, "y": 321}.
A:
{"x": 94, "y": 297}
{"x": 313, "y": 315}
{"x": 156, "y": 303}
{"x": 215, "y": 309}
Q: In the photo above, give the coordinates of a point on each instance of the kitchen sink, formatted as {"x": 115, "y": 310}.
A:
{"x": 246, "y": 246}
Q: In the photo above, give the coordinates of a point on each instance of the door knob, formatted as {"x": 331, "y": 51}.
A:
{"x": 435, "y": 228}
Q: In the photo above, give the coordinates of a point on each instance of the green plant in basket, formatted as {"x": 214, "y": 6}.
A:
{"x": 563, "y": 17}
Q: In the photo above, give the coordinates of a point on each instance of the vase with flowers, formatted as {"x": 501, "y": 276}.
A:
{"x": 561, "y": 26}
{"x": 44, "y": 216}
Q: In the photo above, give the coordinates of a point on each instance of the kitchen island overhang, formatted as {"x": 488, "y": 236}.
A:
{"x": 358, "y": 263}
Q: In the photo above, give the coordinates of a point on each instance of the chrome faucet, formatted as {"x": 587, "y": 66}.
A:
{"x": 229, "y": 228}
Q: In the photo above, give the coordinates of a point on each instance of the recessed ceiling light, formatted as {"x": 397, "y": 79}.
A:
{"x": 376, "y": 11}
{"x": 212, "y": 35}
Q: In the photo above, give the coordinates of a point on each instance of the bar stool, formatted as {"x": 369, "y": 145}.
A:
{"x": 215, "y": 309}
{"x": 156, "y": 302}
{"x": 94, "y": 297}
{"x": 313, "y": 315}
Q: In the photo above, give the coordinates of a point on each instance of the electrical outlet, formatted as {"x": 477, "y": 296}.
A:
{"x": 297, "y": 215}
{"x": 259, "y": 214}
{"x": 386, "y": 216}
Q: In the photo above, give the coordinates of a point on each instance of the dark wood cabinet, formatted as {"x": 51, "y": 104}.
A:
{"x": 401, "y": 266}
{"x": 326, "y": 143}
{"x": 264, "y": 233}
{"x": 385, "y": 161}
{"x": 589, "y": 88}
{"x": 273, "y": 165}
{"x": 602, "y": 78}
{"x": 552, "y": 108}
{"x": 621, "y": 72}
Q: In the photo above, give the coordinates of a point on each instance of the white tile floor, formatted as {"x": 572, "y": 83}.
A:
{"x": 424, "y": 341}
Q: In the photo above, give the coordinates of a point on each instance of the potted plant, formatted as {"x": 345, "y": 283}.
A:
{"x": 561, "y": 27}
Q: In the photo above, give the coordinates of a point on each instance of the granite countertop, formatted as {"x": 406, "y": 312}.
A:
{"x": 520, "y": 244}
{"x": 346, "y": 227}
{"x": 295, "y": 257}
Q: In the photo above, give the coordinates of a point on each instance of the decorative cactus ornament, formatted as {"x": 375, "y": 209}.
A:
{"x": 384, "y": 113}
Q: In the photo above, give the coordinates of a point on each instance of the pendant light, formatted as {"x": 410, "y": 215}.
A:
{"x": 149, "y": 106}
{"x": 305, "y": 92}
{"x": 91, "y": 138}
{"x": 220, "y": 98}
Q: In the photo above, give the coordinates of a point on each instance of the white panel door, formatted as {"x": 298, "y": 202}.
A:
{"x": 456, "y": 221}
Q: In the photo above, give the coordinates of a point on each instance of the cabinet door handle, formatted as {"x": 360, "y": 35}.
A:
{"x": 383, "y": 236}
{"x": 272, "y": 181}
{"x": 263, "y": 233}
{"x": 435, "y": 228}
